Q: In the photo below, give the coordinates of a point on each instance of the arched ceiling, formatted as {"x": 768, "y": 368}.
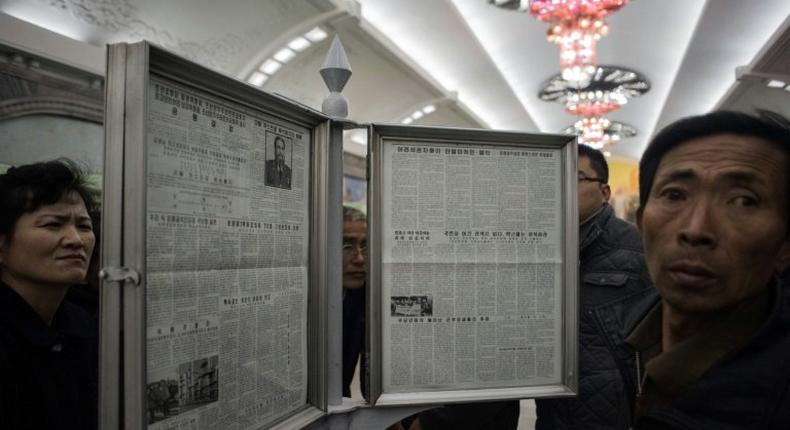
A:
{"x": 475, "y": 64}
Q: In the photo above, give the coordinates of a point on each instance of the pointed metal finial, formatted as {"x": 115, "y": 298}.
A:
{"x": 336, "y": 71}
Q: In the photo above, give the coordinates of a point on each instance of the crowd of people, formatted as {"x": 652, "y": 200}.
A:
{"x": 684, "y": 318}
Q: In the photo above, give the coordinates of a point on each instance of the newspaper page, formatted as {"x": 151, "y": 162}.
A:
{"x": 472, "y": 266}
{"x": 227, "y": 254}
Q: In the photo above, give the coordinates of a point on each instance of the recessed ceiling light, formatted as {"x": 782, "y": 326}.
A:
{"x": 429, "y": 109}
{"x": 299, "y": 44}
{"x": 257, "y": 79}
{"x": 775, "y": 83}
{"x": 284, "y": 55}
{"x": 270, "y": 66}
{"x": 417, "y": 115}
{"x": 359, "y": 136}
{"x": 316, "y": 35}
{"x": 407, "y": 120}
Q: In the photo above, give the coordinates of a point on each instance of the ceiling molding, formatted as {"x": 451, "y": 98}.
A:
{"x": 774, "y": 57}
{"x": 729, "y": 34}
{"x": 772, "y": 62}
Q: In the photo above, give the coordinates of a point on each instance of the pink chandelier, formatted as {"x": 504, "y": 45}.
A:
{"x": 593, "y": 132}
{"x": 594, "y": 103}
{"x": 576, "y": 25}
{"x": 591, "y": 106}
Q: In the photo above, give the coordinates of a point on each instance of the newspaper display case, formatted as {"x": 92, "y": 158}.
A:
{"x": 215, "y": 207}
{"x": 474, "y": 245}
{"x": 221, "y": 275}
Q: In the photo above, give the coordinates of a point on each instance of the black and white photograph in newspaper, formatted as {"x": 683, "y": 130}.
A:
{"x": 279, "y": 155}
{"x": 411, "y": 306}
{"x": 190, "y": 385}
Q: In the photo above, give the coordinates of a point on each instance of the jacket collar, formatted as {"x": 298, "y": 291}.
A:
{"x": 594, "y": 226}
{"x": 623, "y": 315}
{"x": 673, "y": 371}
{"x": 635, "y": 308}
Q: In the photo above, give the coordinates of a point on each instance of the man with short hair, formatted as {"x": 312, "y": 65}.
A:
{"x": 611, "y": 266}
{"x": 278, "y": 174}
{"x": 355, "y": 267}
{"x": 713, "y": 349}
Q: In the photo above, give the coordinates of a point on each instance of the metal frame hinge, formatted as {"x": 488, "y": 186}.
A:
{"x": 120, "y": 274}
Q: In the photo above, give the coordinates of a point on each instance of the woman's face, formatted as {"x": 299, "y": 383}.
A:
{"x": 50, "y": 246}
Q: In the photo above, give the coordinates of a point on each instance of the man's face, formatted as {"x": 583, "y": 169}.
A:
{"x": 715, "y": 223}
{"x": 279, "y": 150}
{"x": 592, "y": 193}
{"x": 355, "y": 244}
{"x": 49, "y": 246}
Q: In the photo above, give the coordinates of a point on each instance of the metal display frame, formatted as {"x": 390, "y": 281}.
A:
{"x": 381, "y": 135}
{"x": 123, "y": 363}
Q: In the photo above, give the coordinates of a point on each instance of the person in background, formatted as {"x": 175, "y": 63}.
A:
{"x": 611, "y": 266}
{"x": 48, "y": 346}
{"x": 712, "y": 350}
{"x": 355, "y": 269}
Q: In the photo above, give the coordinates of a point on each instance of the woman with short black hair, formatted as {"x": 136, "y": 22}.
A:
{"x": 48, "y": 346}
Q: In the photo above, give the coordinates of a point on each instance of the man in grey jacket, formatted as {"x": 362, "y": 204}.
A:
{"x": 612, "y": 266}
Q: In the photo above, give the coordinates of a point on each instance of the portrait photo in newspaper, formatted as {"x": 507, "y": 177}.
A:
{"x": 278, "y": 161}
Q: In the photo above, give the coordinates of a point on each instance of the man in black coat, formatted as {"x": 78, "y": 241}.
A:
{"x": 355, "y": 267}
{"x": 611, "y": 267}
{"x": 278, "y": 174}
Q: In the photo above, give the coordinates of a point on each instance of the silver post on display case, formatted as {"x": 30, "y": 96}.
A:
{"x": 335, "y": 72}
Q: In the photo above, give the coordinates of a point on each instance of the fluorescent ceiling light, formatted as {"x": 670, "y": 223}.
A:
{"x": 299, "y": 44}
{"x": 284, "y": 55}
{"x": 774, "y": 83}
{"x": 429, "y": 109}
{"x": 316, "y": 35}
{"x": 407, "y": 120}
{"x": 257, "y": 79}
{"x": 417, "y": 115}
{"x": 360, "y": 137}
{"x": 270, "y": 66}
{"x": 787, "y": 88}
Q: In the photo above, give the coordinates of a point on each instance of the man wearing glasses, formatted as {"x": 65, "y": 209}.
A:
{"x": 355, "y": 267}
{"x": 612, "y": 266}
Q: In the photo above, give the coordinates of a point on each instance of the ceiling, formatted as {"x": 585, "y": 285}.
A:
{"x": 476, "y": 65}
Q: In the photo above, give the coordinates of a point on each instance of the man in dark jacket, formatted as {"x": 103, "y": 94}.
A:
{"x": 713, "y": 351}
{"x": 611, "y": 267}
{"x": 355, "y": 266}
{"x": 278, "y": 173}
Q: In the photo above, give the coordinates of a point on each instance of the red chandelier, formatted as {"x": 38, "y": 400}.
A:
{"x": 594, "y": 103}
{"x": 576, "y": 25}
{"x": 593, "y": 132}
